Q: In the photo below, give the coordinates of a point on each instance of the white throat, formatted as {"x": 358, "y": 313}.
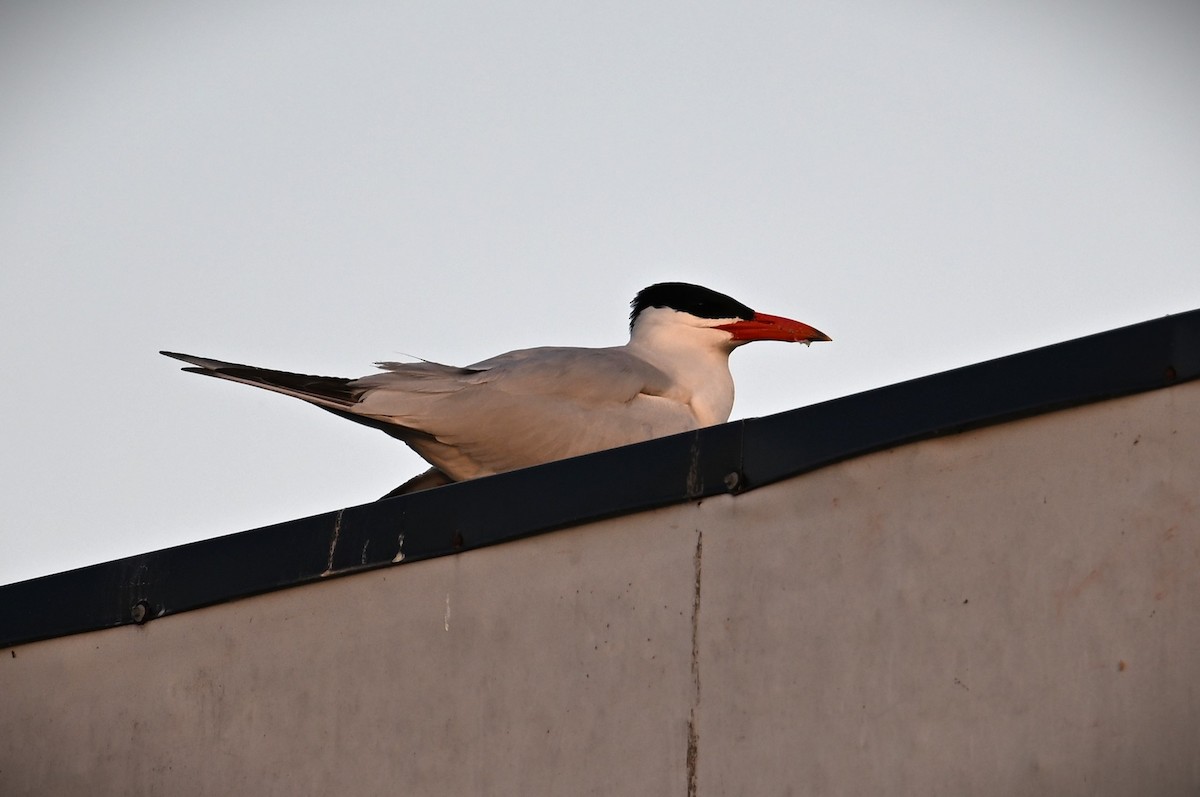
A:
{"x": 693, "y": 354}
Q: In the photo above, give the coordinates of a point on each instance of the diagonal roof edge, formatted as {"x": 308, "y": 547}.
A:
{"x": 731, "y": 458}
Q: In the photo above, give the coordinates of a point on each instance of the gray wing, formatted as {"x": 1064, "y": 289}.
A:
{"x": 513, "y": 411}
{"x": 525, "y": 407}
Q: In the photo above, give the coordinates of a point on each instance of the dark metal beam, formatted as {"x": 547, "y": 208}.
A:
{"x": 724, "y": 459}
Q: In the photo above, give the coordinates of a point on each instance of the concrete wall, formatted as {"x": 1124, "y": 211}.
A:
{"x": 1014, "y": 610}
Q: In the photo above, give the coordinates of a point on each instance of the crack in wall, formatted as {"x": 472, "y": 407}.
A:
{"x": 693, "y": 748}
{"x": 693, "y": 742}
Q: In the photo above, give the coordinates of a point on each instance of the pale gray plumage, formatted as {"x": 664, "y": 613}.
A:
{"x": 537, "y": 405}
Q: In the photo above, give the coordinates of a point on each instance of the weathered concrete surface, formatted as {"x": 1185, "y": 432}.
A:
{"x": 1014, "y": 610}
{"x": 547, "y": 666}
{"x": 1011, "y": 611}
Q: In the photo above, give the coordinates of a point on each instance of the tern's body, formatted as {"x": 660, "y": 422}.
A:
{"x": 532, "y": 406}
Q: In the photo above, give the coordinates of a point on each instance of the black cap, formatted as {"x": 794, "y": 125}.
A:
{"x": 688, "y": 298}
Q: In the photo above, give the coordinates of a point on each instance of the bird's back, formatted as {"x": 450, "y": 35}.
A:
{"x": 522, "y": 408}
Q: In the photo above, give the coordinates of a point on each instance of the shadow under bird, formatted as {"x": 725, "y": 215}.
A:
{"x": 537, "y": 405}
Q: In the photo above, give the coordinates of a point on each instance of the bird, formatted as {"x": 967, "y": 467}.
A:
{"x": 538, "y": 405}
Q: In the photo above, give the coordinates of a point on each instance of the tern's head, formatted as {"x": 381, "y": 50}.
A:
{"x": 680, "y": 305}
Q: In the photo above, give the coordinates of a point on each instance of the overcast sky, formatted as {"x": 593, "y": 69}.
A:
{"x": 316, "y": 186}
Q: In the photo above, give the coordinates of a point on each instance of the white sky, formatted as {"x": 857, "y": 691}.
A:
{"x": 315, "y": 186}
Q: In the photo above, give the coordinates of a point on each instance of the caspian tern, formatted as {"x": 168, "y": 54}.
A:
{"x": 537, "y": 405}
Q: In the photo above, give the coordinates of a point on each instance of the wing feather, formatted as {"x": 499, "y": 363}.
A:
{"x": 512, "y": 411}
{"x": 525, "y": 407}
